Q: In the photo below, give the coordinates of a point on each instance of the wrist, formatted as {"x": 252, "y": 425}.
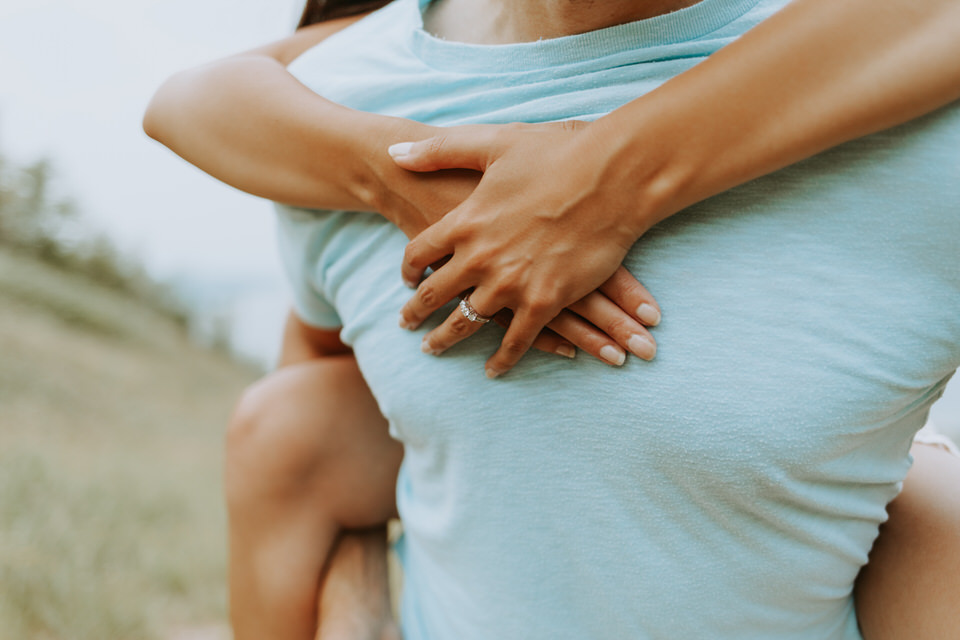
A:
{"x": 377, "y": 174}
{"x": 642, "y": 152}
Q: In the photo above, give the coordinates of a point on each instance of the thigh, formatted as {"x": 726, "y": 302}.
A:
{"x": 909, "y": 588}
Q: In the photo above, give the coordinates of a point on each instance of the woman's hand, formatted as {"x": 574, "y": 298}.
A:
{"x": 522, "y": 242}
{"x": 599, "y": 324}
{"x": 606, "y": 323}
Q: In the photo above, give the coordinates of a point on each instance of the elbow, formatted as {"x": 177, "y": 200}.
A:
{"x": 161, "y": 111}
{"x": 154, "y": 116}
{"x": 151, "y": 121}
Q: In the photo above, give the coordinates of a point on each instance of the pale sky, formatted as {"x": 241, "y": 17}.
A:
{"x": 75, "y": 76}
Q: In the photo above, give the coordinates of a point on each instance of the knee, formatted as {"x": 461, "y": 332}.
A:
{"x": 274, "y": 445}
{"x": 254, "y": 428}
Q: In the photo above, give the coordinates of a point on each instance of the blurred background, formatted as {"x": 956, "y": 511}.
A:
{"x": 137, "y": 298}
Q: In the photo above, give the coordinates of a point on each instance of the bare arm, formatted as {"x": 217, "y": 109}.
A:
{"x": 815, "y": 75}
{"x": 249, "y": 123}
{"x": 810, "y": 78}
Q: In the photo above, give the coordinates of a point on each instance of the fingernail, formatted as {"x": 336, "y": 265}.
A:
{"x": 492, "y": 373}
{"x": 404, "y": 324}
{"x": 648, "y": 315}
{"x": 642, "y": 347}
{"x": 410, "y": 283}
{"x": 613, "y": 355}
{"x": 566, "y": 351}
{"x": 426, "y": 348}
{"x": 399, "y": 150}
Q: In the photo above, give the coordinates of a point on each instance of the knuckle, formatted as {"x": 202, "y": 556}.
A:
{"x": 410, "y": 253}
{"x": 436, "y": 145}
{"x": 513, "y": 348}
{"x": 546, "y": 301}
{"x": 427, "y": 294}
{"x": 502, "y": 291}
{"x": 592, "y": 343}
{"x": 619, "y": 288}
{"x": 482, "y": 257}
{"x": 513, "y": 276}
{"x": 466, "y": 227}
{"x": 459, "y": 326}
{"x": 616, "y": 327}
{"x": 472, "y": 270}
{"x": 632, "y": 288}
{"x": 541, "y": 307}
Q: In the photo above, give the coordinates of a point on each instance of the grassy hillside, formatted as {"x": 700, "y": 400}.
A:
{"x": 111, "y": 521}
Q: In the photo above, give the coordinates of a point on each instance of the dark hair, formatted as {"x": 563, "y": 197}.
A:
{"x": 320, "y": 10}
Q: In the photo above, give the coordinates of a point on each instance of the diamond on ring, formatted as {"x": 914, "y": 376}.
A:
{"x": 470, "y": 313}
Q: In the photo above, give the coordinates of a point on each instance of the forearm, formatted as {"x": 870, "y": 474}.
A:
{"x": 819, "y": 73}
{"x": 248, "y": 122}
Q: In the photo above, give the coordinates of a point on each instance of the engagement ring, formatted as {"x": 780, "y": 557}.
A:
{"x": 470, "y": 313}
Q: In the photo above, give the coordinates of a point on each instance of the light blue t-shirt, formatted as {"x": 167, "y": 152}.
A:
{"x": 731, "y": 488}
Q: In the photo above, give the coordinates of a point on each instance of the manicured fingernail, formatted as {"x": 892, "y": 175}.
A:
{"x": 642, "y": 347}
{"x": 426, "y": 348}
{"x": 404, "y": 324}
{"x": 613, "y": 355}
{"x": 399, "y": 150}
{"x": 492, "y": 373}
{"x": 648, "y": 315}
{"x": 566, "y": 351}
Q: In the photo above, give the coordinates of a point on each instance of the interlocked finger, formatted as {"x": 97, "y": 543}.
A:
{"x": 547, "y": 341}
{"x": 463, "y": 322}
{"x": 600, "y": 311}
{"x": 439, "y": 288}
{"x": 426, "y": 249}
{"x": 631, "y": 296}
{"x": 587, "y": 337}
{"x": 520, "y": 335}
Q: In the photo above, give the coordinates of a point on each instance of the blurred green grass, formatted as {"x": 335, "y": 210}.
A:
{"x": 111, "y": 520}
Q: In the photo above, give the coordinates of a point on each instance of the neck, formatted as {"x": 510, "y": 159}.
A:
{"x": 509, "y": 21}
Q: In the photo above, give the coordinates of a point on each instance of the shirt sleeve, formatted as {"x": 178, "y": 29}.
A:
{"x": 297, "y": 234}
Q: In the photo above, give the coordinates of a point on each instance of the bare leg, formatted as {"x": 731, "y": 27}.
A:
{"x": 909, "y": 589}
{"x": 307, "y": 453}
{"x": 355, "y": 599}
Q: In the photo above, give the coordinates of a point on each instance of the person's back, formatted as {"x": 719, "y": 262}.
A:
{"x": 732, "y": 487}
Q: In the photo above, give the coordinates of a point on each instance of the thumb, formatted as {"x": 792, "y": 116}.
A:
{"x": 463, "y": 150}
